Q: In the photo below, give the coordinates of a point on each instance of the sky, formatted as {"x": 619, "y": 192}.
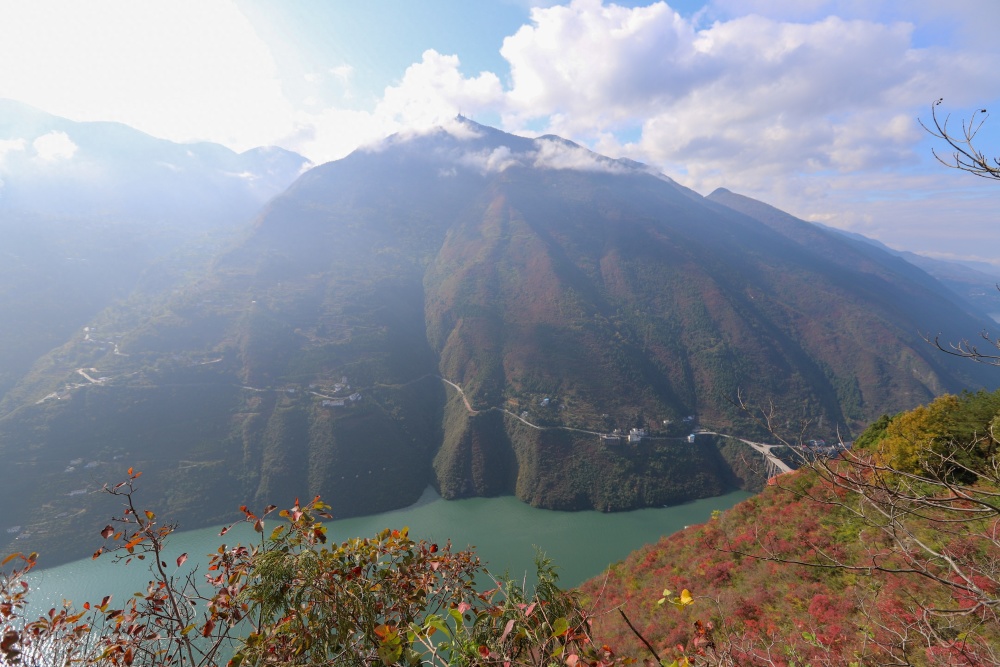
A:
{"x": 809, "y": 105}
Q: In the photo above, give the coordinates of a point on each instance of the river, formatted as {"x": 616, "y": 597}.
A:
{"x": 504, "y": 532}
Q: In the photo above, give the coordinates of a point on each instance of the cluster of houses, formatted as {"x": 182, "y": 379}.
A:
{"x": 338, "y": 401}
{"x": 819, "y": 447}
{"x": 616, "y": 437}
{"x": 635, "y": 435}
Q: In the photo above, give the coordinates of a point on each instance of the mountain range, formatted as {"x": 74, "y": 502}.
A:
{"x": 462, "y": 308}
{"x": 90, "y": 212}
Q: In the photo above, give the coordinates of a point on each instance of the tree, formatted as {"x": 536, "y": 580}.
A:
{"x": 292, "y": 600}
{"x": 964, "y": 155}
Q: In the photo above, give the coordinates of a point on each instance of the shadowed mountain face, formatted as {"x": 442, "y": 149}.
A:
{"x": 567, "y": 294}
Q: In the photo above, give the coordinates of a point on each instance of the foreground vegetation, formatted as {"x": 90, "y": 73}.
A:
{"x": 291, "y": 599}
{"x": 888, "y": 555}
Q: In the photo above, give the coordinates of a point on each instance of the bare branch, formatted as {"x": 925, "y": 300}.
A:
{"x": 964, "y": 156}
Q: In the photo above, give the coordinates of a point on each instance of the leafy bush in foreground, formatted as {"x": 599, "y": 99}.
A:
{"x": 292, "y": 600}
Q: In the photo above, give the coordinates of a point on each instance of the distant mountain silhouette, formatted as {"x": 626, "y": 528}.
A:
{"x": 90, "y": 210}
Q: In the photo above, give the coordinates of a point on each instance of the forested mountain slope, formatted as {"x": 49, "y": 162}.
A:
{"x": 565, "y": 293}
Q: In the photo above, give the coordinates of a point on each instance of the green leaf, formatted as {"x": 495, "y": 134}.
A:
{"x": 437, "y": 623}
{"x": 560, "y": 627}
{"x": 390, "y": 652}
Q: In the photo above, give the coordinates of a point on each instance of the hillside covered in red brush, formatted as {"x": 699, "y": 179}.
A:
{"x": 888, "y": 556}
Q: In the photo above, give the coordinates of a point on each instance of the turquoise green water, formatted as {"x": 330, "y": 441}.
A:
{"x": 503, "y": 531}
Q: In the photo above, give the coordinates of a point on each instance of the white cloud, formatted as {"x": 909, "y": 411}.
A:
{"x": 332, "y": 133}
{"x": 434, "y": 91}
{"x": 599, "y": 65}
{"x": 183, "y": 70}
{"x": 54, "y": 146}
{"x": 430, "y": 95}
{"x": 342, "y": 73}
{"x": 11, "y": 146}
{"x": 557, "y": 154}
{"x": 491, "y": 161}
{"x": 754, "y": 103}
{"x": 548, "y": 153}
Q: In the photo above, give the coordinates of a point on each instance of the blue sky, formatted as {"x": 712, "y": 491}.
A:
{"x": 810, "y": 105}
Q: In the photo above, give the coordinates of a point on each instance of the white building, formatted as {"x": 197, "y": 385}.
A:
{"x": 636, "y": 435}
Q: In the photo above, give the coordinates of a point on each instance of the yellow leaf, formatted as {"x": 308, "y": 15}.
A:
{"x": 686, "y": 598}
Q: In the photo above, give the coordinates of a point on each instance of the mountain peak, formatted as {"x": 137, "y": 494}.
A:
{"x": 465, "y": 144}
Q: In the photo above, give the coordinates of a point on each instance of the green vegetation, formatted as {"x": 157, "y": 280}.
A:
{"x": 291, "y": 599}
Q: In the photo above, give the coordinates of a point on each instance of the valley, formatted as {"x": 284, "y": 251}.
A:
{"x": 409, "y": 316}
{"x": 577, "y": 333}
